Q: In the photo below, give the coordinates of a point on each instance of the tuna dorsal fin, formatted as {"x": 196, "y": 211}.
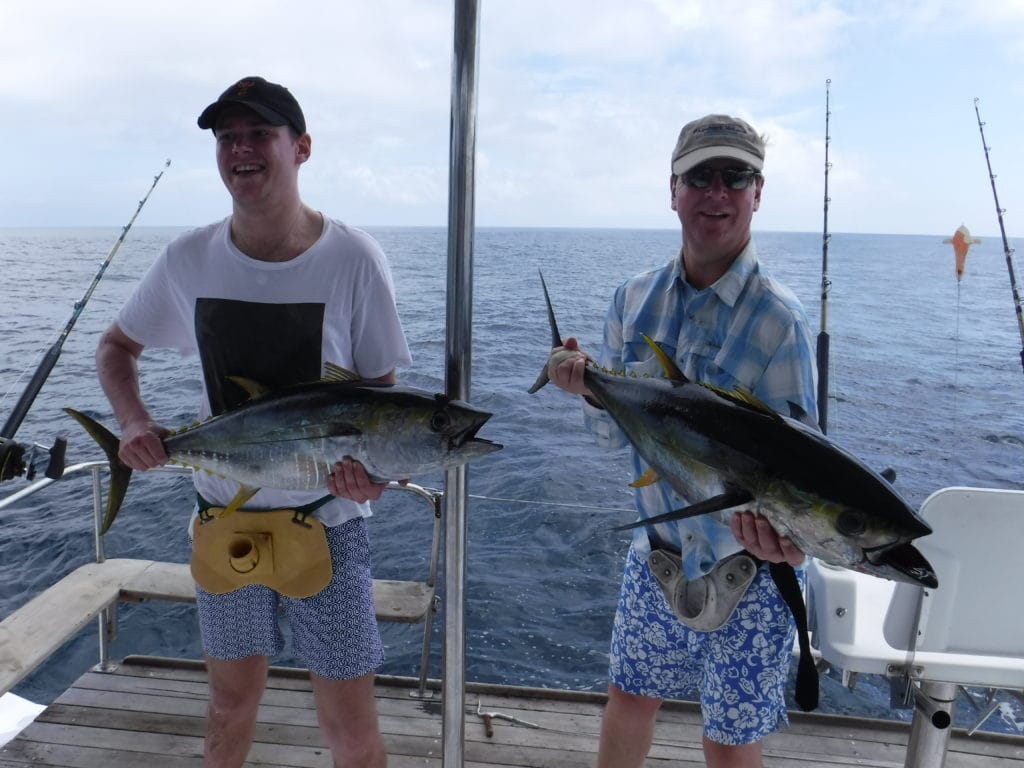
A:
{"x": 672, "y": 371}
{"x": 252, "y": 388}
{"x": 650, "y": 478}
{"x": 334, "y": 372}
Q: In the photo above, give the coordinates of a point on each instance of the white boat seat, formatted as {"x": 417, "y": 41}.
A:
{"x": 971, "y": 629}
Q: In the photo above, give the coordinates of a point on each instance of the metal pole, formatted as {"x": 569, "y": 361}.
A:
{"x": 458, "y": 365}
{"x": 106, "y": 621}
{"x": 929, "y": 733}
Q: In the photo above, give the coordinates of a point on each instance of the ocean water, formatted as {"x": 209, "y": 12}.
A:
{"x": 925, "y": 378}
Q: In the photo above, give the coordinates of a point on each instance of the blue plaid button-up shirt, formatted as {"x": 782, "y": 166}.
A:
{"x": 745, "y": 330}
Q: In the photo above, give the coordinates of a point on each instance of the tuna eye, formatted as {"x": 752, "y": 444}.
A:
{"x": 440, "y": 421}
{"x": 850, "y": 523}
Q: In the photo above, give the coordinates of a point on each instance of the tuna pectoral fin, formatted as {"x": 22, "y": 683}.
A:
{"x": 120, "y": 474}
{"x": 714, "y": 504}
{"x": 903, "y": 562}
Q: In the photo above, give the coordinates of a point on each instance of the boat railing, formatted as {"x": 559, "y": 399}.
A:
{"x": 43, "y": 618}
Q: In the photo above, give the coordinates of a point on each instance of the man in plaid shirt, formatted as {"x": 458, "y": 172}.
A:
{"x": 716, "y": 311}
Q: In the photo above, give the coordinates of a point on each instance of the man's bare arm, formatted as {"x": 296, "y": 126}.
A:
{"x": 117, "y": 358}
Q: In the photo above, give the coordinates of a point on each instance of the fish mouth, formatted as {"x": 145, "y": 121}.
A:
{"x": 465, "y": 441}
{"x": 479, "y": 446}
{"x": 903, "y": 562}
{"x": 467, "y": 437}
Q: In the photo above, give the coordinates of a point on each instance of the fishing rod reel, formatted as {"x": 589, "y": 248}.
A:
{"x": 28, "y": 459}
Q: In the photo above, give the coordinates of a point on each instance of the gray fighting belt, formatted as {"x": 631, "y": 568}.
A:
{"x": 706, "y": 603}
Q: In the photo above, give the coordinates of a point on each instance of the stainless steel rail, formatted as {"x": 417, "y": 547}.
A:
{"x": 458, "y": 367}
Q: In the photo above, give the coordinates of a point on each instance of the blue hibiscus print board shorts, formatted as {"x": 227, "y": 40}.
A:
{"x": 738, "y": 670}
{"x": 334, "y": 632}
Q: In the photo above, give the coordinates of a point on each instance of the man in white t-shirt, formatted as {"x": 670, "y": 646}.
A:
{"x": 272, "y": 293}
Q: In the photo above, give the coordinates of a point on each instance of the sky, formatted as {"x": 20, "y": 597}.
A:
{"x": 579, "y": 106}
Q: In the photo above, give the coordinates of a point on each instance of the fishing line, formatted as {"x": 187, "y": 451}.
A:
{"x": 37, "y": 350}
{"x": 588, "y": 507}
{"x": 956, "y": 360}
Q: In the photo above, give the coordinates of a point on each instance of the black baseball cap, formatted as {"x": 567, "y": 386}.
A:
{"x": 273, "y": 102}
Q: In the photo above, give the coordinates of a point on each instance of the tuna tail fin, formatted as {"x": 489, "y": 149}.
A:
{"x": 120, "y": 473}
{"x": 556, "y": 338}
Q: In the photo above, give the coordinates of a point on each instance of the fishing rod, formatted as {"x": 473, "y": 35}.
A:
{"x": 826, "y": 284}
{"x": 12, "y": 454}
{"x": 1002, "y": 230}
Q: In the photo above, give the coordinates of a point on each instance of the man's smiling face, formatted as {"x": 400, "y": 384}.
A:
{"x": 716, "y": 219}
{"x": 257, "y": 160}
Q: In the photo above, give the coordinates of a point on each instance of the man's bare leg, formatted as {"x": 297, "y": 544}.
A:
{"x": 737, "y": 756}
{"x": 236, "y": 688}
{"x": 347, "y": 712}
{"x": 627, "y": 729}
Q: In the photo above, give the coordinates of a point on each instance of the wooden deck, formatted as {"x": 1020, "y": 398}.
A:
{"x": 150, "y": 712}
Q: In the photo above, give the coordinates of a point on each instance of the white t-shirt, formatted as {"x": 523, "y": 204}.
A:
{"x": 273, "y": 322}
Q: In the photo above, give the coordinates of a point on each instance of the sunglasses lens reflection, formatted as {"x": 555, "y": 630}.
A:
{"x": 733, "y": 178}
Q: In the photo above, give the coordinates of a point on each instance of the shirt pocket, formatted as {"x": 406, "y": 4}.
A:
{"x": 703, "y": 362}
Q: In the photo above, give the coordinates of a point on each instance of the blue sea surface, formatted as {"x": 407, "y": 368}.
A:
{"x": 925, "y": 377}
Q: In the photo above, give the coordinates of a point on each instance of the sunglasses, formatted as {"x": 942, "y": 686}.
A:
{"x": 732, "y": 178}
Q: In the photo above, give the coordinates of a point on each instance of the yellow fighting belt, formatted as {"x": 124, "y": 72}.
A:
{"x": 279, "y": 548}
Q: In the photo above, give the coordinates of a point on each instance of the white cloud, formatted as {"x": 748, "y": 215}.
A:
{"x": 580, "y": 102}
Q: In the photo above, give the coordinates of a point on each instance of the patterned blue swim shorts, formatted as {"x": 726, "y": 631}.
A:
{"x": 739, "y": 670}
{"x": 334, "y": 632}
